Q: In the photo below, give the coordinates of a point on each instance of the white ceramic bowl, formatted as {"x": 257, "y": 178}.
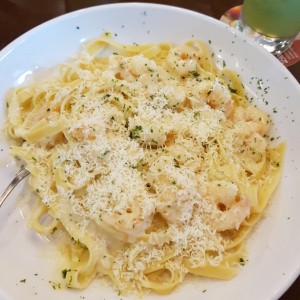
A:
{"x": 274, "y": 246}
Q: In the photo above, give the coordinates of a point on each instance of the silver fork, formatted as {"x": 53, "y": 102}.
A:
{"x": 20, "y": 176}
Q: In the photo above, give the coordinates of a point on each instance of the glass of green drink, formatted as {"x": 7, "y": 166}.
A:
{"x": 273, "y": 23}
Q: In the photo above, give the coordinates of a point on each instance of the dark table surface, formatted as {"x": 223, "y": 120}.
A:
{"x": 18, "y": 16}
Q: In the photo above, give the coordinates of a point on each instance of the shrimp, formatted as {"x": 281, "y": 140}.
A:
{"x": 136, "y": 66}
{"x": 139, "y": 65}
{"x": 220, "y": 98}
{"x": 184, "y": 154}
{"x": 251, "y": 119}
{"x": 233, "y": 207}
{"x": 174, "y": 94}
{"x": 175, "y": 189}
{"x": 255, "y": 147}
{"x": 252, "y": 152}
{"x": 182, "y": 60}
{"x": 235, "y": 215}
{"x": 132, "y": 222}
{"x": 197, "y": 92}
{"x": 131, "y": 68}
{"x": 182, "y": 208}
{"x": 212, "y": 93}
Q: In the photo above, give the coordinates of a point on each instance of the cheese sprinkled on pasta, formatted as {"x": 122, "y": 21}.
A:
{"x": 150, "y": 159}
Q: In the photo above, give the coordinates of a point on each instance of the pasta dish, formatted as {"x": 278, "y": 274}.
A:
{"x": 148, "y": 159}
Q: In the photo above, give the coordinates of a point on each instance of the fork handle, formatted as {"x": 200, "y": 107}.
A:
{"x": 21, "y": 175}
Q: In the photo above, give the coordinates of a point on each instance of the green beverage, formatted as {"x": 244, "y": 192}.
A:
{"x": 273, "y": 18}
